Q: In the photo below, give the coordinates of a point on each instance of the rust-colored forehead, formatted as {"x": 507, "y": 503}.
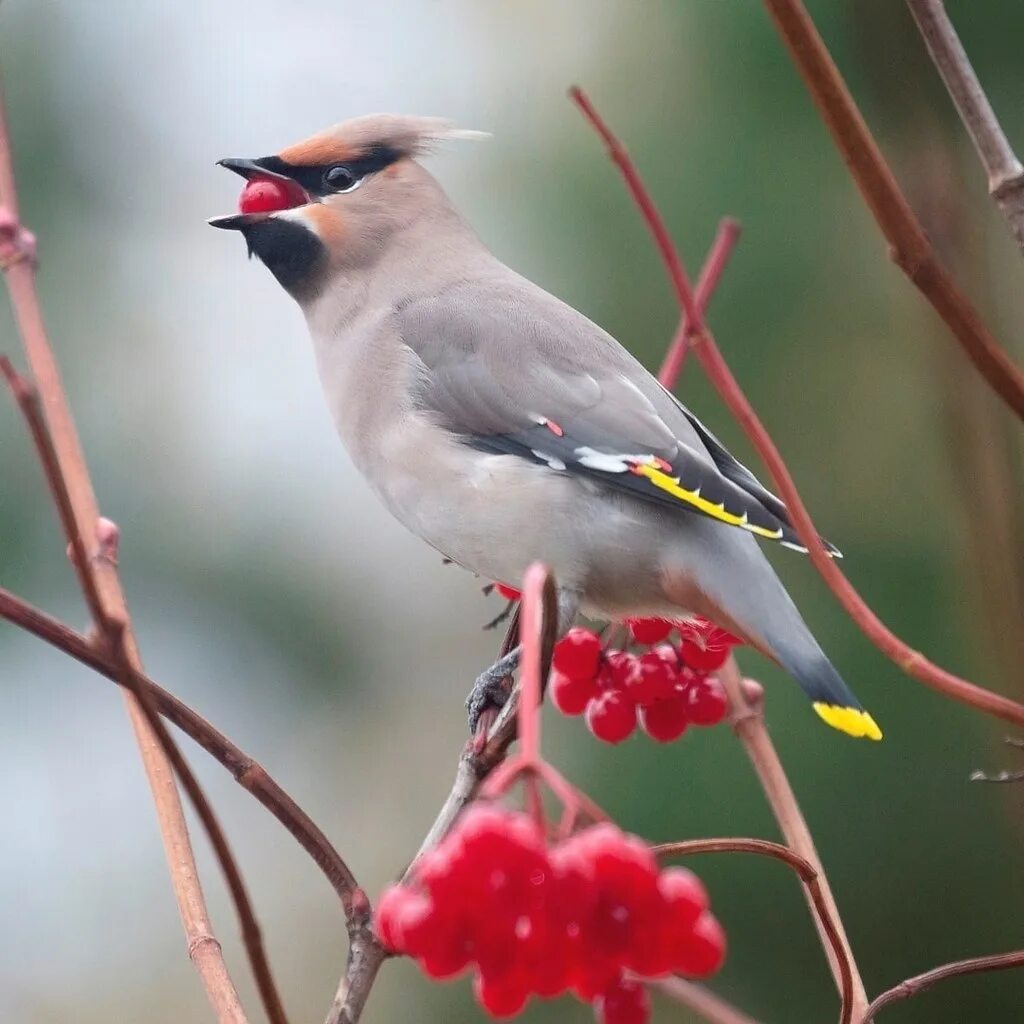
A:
{"x": 319, "y": 149}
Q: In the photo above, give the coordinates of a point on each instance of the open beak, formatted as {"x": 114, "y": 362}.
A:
{"x": 254, "y": 170}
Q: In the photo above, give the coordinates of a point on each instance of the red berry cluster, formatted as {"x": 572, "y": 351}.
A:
{"x": 535, "y": 920}
{"x": 666, "y": 688}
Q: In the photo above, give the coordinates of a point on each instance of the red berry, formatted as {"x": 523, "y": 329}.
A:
{"x": 665, "y": 720}
{"x": 507, "y": 592}
{"x": 684, "y": 896}
{"x": 649, "y": 631}
{"x": 501, "y": 995}
{"x": 707, "y": 702}
{"x": 702, "y": 952}
{"x": 267, "y": 195}
{"x": 705, "y": 646}
{"x": 624, "y": 671}
{"x": 450, "y": 955}
{"x": 578, "y": 653}
{"x": 701, "y": 658}
{"x": 388, "y": 919}
{"x": 407, "y": 921}
{"x": 667, "y": 653}
{"x": 656, "y": 680}
{"x": 611, "y": 716}
{"x": 626, "y": 1002}
{"x": 569, "y": 695}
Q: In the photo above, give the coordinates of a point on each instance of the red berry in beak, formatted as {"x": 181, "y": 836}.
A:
{"x": 268, "y": 195}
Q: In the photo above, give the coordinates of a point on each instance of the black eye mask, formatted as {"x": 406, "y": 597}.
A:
{"x": 348, "y": 173}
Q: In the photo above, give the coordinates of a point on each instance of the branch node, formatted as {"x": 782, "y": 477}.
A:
{"x": 17, "y": 243}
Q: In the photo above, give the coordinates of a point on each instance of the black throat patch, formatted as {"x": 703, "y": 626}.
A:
{"x": 291, "y": 252}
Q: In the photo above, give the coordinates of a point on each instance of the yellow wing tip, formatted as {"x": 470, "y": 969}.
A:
{"x": 853, "y": 721}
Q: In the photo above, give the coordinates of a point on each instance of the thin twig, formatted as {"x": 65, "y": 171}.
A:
{"x": 105, "y": 589}
{"x": 920, "y": 982}
{"x": 1005, "y": 172}
{"x": 913, "y": 662}
{"x": 726, "y": 237}
{"x": 909, "y": 245}
{"x": 247, "y": 772}
{"x": 476, "y": 762}
{"x": 825, "y": 911}
{"x": 111, "y": 638}
{"x": 749, "y": 726}
{"x": 710, "y": 1006}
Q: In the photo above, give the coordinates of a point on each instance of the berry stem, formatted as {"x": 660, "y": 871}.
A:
{"x": 535, "y": 582}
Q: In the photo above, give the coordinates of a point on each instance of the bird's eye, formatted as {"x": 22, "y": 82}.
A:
{"x": 340, "y": 179}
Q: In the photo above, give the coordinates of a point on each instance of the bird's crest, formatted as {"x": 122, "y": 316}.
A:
{"x": 402, "y": 134}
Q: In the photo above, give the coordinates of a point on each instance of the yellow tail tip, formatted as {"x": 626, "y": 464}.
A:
{"x": 853, "y": 721}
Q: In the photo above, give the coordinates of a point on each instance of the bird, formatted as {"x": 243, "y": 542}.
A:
{"x": 501, "y": 425}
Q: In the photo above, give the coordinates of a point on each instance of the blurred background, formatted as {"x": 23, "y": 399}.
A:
{"x": 273, "y": 593}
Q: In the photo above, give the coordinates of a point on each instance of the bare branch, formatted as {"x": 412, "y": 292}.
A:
{"x": 909, "y": 245}
{"x": 920, "y": 982}
{"x": 1005, "y": 172}
{"x": 711, "y": 1007}
{"x": 247, "y": 772}
{"x": 911, "y": 661}
{"x": 750, "y": 728}
{"x": 726, "y": 237}
{"x": 67, "y": 473}
{"x": 826, "y": 915}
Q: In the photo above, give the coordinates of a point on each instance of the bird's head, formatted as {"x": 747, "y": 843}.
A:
{"x": 335, "y": 200}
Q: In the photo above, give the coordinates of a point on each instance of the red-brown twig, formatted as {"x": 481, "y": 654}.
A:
{"x": 908, "y": 244}
{"x": 748, "y": 718}
{"x": 366, "y": 955}
{"x": 912, "y": 986}
{"x": 912, "y": 662}
{"x": 106, "y": 599}
{"x": 711, "y": 1007}
{"x": 824, "y": 909}
{"x": 727, "y": 236}
{"x": 749, "y": 726}
{"x": 113, "y": 632}
{"x": 247, "y": 772}
{"x": 1004, "y": 170}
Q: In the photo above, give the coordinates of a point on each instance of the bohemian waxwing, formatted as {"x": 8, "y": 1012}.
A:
{"x": 502, "y": 426}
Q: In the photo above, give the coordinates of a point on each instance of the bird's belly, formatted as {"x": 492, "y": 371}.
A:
{"x": 496, "y": 514}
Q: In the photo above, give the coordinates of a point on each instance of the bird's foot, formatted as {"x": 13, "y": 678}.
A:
{"x": 491, "y": 689}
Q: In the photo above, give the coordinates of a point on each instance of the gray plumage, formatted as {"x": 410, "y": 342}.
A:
{"x": 503, "y": 427}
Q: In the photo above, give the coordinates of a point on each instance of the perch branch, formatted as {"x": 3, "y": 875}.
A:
{"x": 920, "y": 982}
{"x": 913, "y": 662}
{"x": 103, "y": 592}
{"x": 478, "y": 760}
{"x": 1005, "y": 172}
{"x": 908, "y": 244}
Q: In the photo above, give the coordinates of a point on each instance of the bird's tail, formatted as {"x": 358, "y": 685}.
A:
{"x": 831, "y": 698}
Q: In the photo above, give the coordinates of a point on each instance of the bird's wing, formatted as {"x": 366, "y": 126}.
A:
{"x": 494, "y": 371}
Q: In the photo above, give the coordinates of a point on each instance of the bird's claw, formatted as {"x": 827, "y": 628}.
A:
{"x": 491, "y": 689}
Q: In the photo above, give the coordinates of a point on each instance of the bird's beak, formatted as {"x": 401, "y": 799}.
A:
{"x": 255, "y": 170}
{"x": 250, "y": 169}
{"x": 237, "y": 221}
